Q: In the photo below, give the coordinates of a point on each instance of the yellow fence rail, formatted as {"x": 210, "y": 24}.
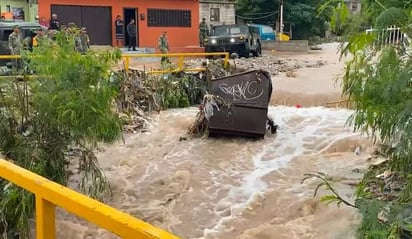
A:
{"x": 49, "y": 195}
{"x": 180, "y": 63}
{"x": 5, "y": 57}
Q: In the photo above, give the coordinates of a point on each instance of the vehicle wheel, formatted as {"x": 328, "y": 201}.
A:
{"x": 258, "y": 51}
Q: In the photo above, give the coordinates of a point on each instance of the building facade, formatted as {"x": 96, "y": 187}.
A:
{"x": 217, "y": 12}
{"x": 179, "y": 18}
{"x": 19, "y": 10}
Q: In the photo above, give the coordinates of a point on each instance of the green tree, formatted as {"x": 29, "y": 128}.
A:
{"x": 302, "y": 14}
{"x": 69, "y": 106}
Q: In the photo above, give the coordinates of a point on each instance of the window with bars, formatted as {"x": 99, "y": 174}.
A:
{"x": 168, "y": 18}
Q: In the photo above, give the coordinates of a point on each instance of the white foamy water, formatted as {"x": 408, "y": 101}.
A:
{"x": 297, "y": 127}
{"x": 199, "y": 188}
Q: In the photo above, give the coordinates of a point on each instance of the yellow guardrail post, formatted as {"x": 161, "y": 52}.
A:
{"x": 45, "y": 219}
{"x": 181, "y": 62}
{"x": 226, "y": 62}
{"x": 50, "y": 194}
{"x": 126, "y": 62}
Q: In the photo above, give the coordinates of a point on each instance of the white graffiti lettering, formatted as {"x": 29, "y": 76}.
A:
{"x": 243, "y": 91}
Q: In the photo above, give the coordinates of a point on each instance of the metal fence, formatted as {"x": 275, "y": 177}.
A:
{"x": 180, "y": 62}
{"x": 392, "y": 35}
{"x": 50, "y": 194}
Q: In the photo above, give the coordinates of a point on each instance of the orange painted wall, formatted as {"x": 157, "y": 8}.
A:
{"x": 148, "y": 36}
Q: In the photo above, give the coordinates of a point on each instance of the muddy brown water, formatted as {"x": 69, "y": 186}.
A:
{"x": 232, "y": 188}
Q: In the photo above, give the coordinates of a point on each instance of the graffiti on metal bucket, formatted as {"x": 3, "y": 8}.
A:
{"x": 247, "y": 90}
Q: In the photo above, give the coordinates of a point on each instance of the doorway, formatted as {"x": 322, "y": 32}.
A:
{"x": 100, "y": 32}
{"x": 130, "y": 13}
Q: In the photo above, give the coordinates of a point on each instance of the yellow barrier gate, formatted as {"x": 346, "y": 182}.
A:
{"x": 180, "y": 63}
{"x": 49, "y": 195}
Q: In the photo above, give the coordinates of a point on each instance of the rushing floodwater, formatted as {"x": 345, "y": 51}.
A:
{"x": 233, "y": 188}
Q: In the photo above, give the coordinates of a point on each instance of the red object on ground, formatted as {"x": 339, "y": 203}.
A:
{"x": 298, "y": 106}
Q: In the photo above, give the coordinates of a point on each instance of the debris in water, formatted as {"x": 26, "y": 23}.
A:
{"x": 357, "y": 151}
{"x": 206, "y": 111}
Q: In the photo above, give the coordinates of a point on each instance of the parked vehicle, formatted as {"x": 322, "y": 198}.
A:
{"x": 266, "y": 32}
{"x": 6, "y": 28}
{"x": 241, "y": 39}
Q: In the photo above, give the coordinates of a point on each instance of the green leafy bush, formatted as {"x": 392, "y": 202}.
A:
{"x": 68, "y": 106}
{"x": 378, "y": 81}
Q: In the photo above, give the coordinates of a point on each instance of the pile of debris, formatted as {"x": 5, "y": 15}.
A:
{"x": 141, "y": 92}
{"x": 273, "y": 64}
{"x": 135, "y": 98}
{"x": 276, "y": 65}
{"x": 209, "y": 104}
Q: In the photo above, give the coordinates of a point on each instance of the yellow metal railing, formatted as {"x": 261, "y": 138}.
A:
{"x": 180, "y": 62}
{"x": 49, "y": 195}
{"x": 10, "y": 57}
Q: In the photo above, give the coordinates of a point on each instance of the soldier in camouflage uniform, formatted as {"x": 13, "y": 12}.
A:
{"x": 203, "y": 32}
{"x": 164, "y": 47}
{"x": 84, "y": 38}
{"x": 15, "y": 45}
{"x": 15, "y": 41}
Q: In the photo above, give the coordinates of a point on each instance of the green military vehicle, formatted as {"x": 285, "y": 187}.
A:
{"x": 6, "y": 28}
{"x": 241, "y": 39}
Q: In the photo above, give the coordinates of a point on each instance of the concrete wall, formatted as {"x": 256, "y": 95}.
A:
{"x": 33, "y": 11}
{"x": 292, "y": 45}
{"x": 30, "y": 10}
{"x": 226, "y": 12}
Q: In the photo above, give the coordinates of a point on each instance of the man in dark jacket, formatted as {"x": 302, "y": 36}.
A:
{"x": 54, "y": 23}
{"x": 132, "y": 32}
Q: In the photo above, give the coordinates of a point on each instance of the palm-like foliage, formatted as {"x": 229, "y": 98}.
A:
{"x": 378, "y": 80}
{"x": 69, "y": 105}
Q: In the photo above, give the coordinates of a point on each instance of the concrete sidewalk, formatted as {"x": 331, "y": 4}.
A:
{"x": 141, "y": 51}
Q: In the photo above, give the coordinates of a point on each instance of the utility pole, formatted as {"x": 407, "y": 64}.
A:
{"x": 281, "y": 18}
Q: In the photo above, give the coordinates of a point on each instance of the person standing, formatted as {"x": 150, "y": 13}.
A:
{"x": 54, "y": 23}
{"x": 163, "y": 47}
{"x": 38, "y": 37}
{"x": 119, "y": 27}
{"x": 15, "y": 41}
{"x": 203, "y": 32}
{"x": 132, "y": 32}
{"x": 84, "y": 39}
{"x": 43, "y": 22}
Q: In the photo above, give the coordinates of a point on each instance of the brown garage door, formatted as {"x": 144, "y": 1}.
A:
{"x": 97, "y": 20}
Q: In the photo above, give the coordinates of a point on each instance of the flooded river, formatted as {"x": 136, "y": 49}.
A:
{"x": 227, "y": 188}
{"x": 234, "y": 188}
